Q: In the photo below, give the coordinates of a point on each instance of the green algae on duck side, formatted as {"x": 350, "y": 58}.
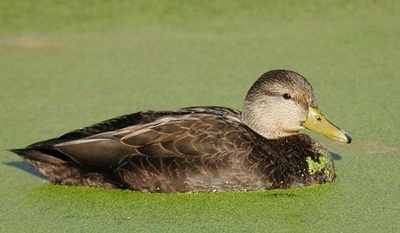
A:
{"x": 317, "y": 166}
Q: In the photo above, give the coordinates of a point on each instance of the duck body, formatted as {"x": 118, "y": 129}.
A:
{"x": 191, "y": 149}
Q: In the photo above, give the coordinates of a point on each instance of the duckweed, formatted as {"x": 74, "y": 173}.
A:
{"x": 315, "y": 166}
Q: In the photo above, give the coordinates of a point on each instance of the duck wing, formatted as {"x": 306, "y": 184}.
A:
{"x": 192, "y": 134}
{"x": 45, "y": 151}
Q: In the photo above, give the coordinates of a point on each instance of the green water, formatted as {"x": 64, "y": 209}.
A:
{"x": 67, "y": 64}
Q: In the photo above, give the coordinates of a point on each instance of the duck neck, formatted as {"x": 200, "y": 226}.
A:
{"x": 263, "y": 122}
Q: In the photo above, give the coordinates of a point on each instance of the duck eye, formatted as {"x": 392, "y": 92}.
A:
{"x": 286, "y": 96}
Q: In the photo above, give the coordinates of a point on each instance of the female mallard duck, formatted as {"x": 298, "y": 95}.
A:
{"x": 200, "y": 148}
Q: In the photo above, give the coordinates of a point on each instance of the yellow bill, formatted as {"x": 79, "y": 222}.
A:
{"x": 318, "y": 123}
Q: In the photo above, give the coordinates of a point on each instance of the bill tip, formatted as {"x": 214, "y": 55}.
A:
{"x": 348, "y": 138}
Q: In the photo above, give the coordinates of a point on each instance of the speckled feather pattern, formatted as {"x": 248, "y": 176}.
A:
{"x": 196, "y": 148}
{"x": 193, "y": 149}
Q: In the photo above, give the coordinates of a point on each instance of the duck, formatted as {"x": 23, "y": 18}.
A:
{"x": 200, "y": 149}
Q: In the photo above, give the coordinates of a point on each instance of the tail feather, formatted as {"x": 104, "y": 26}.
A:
{"x": 66, "y": 172}
{"x": 37, "y": 155}
{"x": 44, "y": 151}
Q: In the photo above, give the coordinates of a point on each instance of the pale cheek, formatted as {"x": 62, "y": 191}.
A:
{"x": 293, "y": 116}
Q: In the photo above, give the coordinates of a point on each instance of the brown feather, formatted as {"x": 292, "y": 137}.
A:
{"x": 192, "y": 149}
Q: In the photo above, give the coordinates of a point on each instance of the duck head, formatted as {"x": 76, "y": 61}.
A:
{"x": 281, "y": 103}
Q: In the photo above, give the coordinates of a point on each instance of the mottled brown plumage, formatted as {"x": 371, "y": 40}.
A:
{"x": 196, "y": 148}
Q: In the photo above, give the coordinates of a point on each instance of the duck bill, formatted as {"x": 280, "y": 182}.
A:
{"x": 317, "y": 122}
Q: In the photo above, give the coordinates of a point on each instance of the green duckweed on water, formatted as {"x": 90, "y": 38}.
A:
{"x": 67, "y": 64}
